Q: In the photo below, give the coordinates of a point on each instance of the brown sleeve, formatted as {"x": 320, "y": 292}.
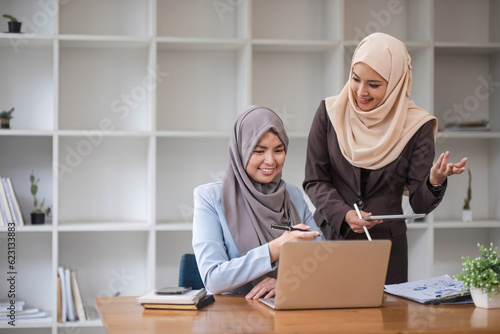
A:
{"x": 423, "y": 199}
{"x": 330, "y": 206}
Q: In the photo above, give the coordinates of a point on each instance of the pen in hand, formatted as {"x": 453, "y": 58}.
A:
{"x": 289, "y": 228}
{"x": 364, "y": 227}
{"x": 286, "y": 228}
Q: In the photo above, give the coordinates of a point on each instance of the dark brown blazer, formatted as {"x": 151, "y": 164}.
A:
{"x": 333, "y": 184}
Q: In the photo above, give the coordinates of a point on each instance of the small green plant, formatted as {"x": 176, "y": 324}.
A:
{"x": 38, "y": 207}
{"x": 7, "y": 114}
{"x": 469, "y": 193}
{"x": 482, "y": 272}
{"x": 10, "y": 17}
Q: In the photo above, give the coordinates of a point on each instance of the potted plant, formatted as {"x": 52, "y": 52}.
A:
{"x": 466, "y": 210}
{"x": 39, "y": 211}
{"x": 481, "y": 276}
{"x": 5, "y": 117}
{"x": 14, "y": 24}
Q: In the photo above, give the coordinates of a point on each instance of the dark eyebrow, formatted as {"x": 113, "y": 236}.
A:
{"x": 262, "y": 146}
{"x": 357, "y": 76}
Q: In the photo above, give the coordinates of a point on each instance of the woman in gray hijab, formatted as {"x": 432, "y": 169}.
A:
{"x": 235, "y": 246}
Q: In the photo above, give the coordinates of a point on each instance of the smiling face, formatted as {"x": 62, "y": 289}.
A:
{"x": 368, "y": 87}
{"x": 267, "y": 158}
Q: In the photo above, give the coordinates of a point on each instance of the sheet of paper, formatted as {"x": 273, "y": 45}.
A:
{"x": 426, "y": 290}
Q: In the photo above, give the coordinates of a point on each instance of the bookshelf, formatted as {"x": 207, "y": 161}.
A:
{"x": 124, "y": 106}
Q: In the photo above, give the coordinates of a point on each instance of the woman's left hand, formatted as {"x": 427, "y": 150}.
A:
{"x": 266, "y": 286}
{"x": 442, "y": 169}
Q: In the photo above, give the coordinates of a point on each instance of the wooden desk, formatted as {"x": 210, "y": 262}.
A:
{"x": 235, "y": 314}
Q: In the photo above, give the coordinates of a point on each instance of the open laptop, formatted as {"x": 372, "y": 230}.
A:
{"x": 331, "y": 274}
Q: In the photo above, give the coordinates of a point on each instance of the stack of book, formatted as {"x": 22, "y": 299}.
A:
{"x": 10, "y": 212}
{"x": 70, "y": 305}
{"x": 20, "y": 310}
{"x": 191, "y": 300}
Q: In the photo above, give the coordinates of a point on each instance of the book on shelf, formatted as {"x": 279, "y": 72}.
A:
{"x": 38, "y": 314}
{"x": 204, "y": 301}
{"x": 70, "y": 306}
{"x": 77, "y": 297}
{"x": 4, "y": 206}
{"x": 59, "y": 300}
{"x": 24, "y": 310}
{"x": 436, "y": 290}
{"x": 70, "y": 311}
{"x": 6, "y": 306}
{"x": 20, "y": 310}
{"x": 12, "y": 202}
{"x": 188, "y": 298}
{"x": 60, "y": 271}
{"x": 482, "y": 125}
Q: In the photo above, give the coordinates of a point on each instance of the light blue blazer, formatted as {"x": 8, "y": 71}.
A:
{"x": 222, "y": 268}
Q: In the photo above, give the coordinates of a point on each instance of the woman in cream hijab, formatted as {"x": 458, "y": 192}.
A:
{"x": 368, "y": 145}
{"x": 235, "y": 247}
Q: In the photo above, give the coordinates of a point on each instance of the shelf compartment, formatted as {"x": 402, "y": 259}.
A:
{"x": 169, "y": 250}
{"x": 20, "y": 156}
{"x": 201, "y": 90}
{"x": 180, "y": 172}
{"x": 118, "y": 100}
{"x": 479, "y": 153}
{"x": 109, "y": 17}
{"x": 294, "y": 83}
{"x": 103, "y": 180}
{"x": 296, "y": 19}
{"x": 202, "y": 18}
{"x": 404, "y": 19}
{"x": 451, "y": 244}
{"x": 474, "y": 22}
{"x": 28, "y": 86}
{"x": 37, "y": 17}
{"x": 33, "y": 254}
{"x": 103, "y": 270}
{"x": 467, "y": 95}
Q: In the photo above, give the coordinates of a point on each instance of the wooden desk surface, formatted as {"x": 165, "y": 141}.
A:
{"x": 235, "y": 314}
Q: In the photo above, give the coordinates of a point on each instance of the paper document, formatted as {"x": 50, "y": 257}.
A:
{"x": 434, "y": 290}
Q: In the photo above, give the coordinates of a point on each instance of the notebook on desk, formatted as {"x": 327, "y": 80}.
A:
{"x": 331, "y": 274}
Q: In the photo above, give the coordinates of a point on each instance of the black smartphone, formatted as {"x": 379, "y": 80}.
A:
{"x": 172, "y": 290}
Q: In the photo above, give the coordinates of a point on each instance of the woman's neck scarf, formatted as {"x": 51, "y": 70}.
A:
{"x": 373, "y": 139}
{"x": 251, "y": 207}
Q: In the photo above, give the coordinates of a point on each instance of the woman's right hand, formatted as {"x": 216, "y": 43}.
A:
{"x": 356, "y": 224}
{"x": 275, "y": 245}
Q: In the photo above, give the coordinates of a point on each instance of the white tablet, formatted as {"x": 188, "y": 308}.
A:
{"x": 387, "y": 217}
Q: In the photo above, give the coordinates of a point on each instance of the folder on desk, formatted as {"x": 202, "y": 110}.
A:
{"x": 436, "y": 290}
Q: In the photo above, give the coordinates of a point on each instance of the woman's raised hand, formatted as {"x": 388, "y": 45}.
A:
{"x": 442, "y": 169}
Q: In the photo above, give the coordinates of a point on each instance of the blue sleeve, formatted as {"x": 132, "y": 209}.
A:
{"x": 221, "y": 267}
{"x": 297, "y": 198}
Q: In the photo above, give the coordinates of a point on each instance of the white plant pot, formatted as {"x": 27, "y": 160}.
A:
{"x": 467, "y": 216}
{"x": 481, "y": 299}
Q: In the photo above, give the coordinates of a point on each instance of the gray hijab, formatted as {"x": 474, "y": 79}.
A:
{"x": 251, "y": 207}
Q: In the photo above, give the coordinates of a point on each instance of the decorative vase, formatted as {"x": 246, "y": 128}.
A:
{"x": 14, "y": 26}
{"x": 37, "y": 218}
{"x": 482, "y": 300}
{"x": 467, "y": 216}
{"x": 5, "y": 123}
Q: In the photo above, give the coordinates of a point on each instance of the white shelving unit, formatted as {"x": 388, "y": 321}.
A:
{"x": 124, "y": 106}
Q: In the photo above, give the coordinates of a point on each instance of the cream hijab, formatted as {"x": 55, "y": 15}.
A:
{"x": 251, "y": 207}
{"x": 373, "y": 139}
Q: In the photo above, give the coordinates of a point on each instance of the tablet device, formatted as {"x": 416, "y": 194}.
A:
{"x": 388, "y": 217}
